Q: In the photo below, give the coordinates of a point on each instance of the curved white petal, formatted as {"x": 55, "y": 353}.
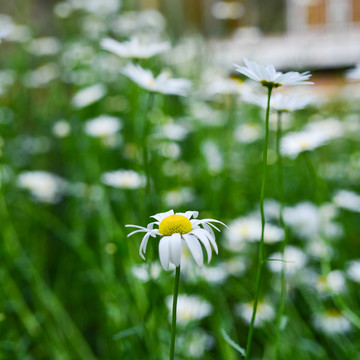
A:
{"x": 201, "y": 235}
{"x": 175, "y": 249}
{"x": 164, "y": 252}
{"x": 161, "y": 216}
{"x": 143, "y": 245}
{"x": 195, "y": 248}
{"x": 211, "y": 238}
{"x": 137, "y": 231}
{"x": 189, "y": 214}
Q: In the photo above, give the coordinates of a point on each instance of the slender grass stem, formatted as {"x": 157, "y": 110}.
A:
{"x": 173, "y": 322}
{"x": 280, "y": 178}
{"x": 261, "y": 246}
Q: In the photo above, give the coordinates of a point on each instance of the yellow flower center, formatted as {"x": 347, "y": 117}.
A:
{"x": 175, "y": 224}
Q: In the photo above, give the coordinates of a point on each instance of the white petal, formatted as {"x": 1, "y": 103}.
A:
{"x": 161, "y": 216}
{"x": 164, "y": 252}
{"x": 175, "y": 249}
{"x": 199, "y": 233}
{"x": 189, "y": 214}
{"x": 195, "y": 248}
{"x": 143, "y": 245}
{"x": 211, "y": 238}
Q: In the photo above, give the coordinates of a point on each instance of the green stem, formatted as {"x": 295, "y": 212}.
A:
{"x": 284, "y": 243}
{"x": 261, "y": 247}
{"x": 173, "y": 322}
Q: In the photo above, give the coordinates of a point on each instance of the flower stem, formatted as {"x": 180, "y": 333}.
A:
{"x": 284, "y": 243}
{"x": 261, "y": 247}
{"x": 173, "y": 322}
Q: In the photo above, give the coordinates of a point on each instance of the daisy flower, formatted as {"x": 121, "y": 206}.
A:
{"x": 269, "y": 77}
{"x": 133, "y": 48}
{"x": 162, "y": 84}
{"x": 175, "y": 227}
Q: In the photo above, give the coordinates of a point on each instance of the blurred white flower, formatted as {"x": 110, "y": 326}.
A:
{"x": 354, "y": 74}
{"x": 103, "y": 7}
{"x": 146, "y": 272}
{"x": 214, "y": 274}
{"x": 41, "y": 76}
{"x": 325, "y": 285}
{"x": 123, "y": 179}
{"x": 176, "y": 229}
{"x": 294, "y": 143}
{"x": 178, "y": 197}
{"x": 303, "y": 219}
{"x": 248, "y": 229}
{"x": 61, "y": 129}
{"x": 134, "y": 48}
{"x": 294, "y": 260}
{"x": 332, "y": 321}
{"x": 348, "y": 200}
{"x": 103, "y": 126}
{"x": 248, "y": 132}
{"x": 162, "y": 84}
{"x": 213, "y": 156}
{"x": 88, "y": 95}
{"x": 44, "y": 46}
{"x": 172, "y": 131}
{"x": 194, "y": 343}
{"x": 353, "y": 270}
{"x": 227, "y": 10}
{"x": 189, "y": 308}
{"x": 265, "y": 312}
{"x": 44, "y": 186}
{"x": 268, "y": 76}
{"x": 331, "y": 128}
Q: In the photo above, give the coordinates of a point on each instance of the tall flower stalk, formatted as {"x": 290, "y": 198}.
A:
{"x": 280, "y": 180}
{"x": 173, "y": 318}
{"x": 261, "y": 246}
{"x": 269, "y": 77}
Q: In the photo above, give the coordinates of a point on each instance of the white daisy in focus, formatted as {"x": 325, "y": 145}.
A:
{"x": 294, "y": 143}
{"x": 332, "y": 321}
{"x": 269, "y": 77}
{"x": 348, "y": 200}
{"x": 265, "y": 312}
{"x": 123, "y": 179}
{"x": 162, "y": 84}
{"x": 294, "y": 260}
{"x": 175, "y": 227}
{"x": 103, "y": 126}
{"x": 134, "y": 48}
{"x": 354, "y": 74}
{"x": 189, "y": 308}
{"x": 353, "y": 270}
{"x": 44, "y": 186}
{"x": 88, "y": 95}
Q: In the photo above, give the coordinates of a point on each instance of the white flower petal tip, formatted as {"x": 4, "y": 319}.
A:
{"x": 175, "y": 230}
{"x": 269, "y": 77}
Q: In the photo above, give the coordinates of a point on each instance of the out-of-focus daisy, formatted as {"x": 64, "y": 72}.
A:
{"x": 325, "y": 285}
{"x": 162, "y": 84}
{"x": 227, "y": 10}
{"x": 195, "y": 343}
{"x": 123, "y": 179}
{"x": 303, "y": 218}
{"x": 134, "y": 48}
{"x": 44, "y": 186}
{"x": 44, "y": 46}
{"x": 294, "y": 260}
{"x": 103, "y": 126}
{"x": 146, "y": 272}
{"x": 331, "y": 128}
{"x": 212, "y": 155}
{"x": 189, "y": 308}
{"x": 248, "y": 132}
{"x": 4, "y": 33}
{"x": 294, "y": 143}
{"x": 353, "y": 270}
{"x": 214, "y": 274}
{"x": 354, "y": 74}
{"x": 269, "y": 77}
{"x": 248, "y": 229}
{"x": 171, "y": 131}
{"x": 178, "y": 197}
{"x": 348, "y": 200}
{"x": 61, "y": 129}
{"x": 41, "y": 76}
{"x": 332, "y": 321}
{"x": 174, "y": 228}
{"x": 265, "y": 312}
{"x": 88, "y": 95}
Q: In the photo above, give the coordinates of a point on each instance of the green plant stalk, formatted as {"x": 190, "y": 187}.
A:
{"x": 280, "y": 177}
{"x": 261, "y": 246}
{"x": 173, "y": 321}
